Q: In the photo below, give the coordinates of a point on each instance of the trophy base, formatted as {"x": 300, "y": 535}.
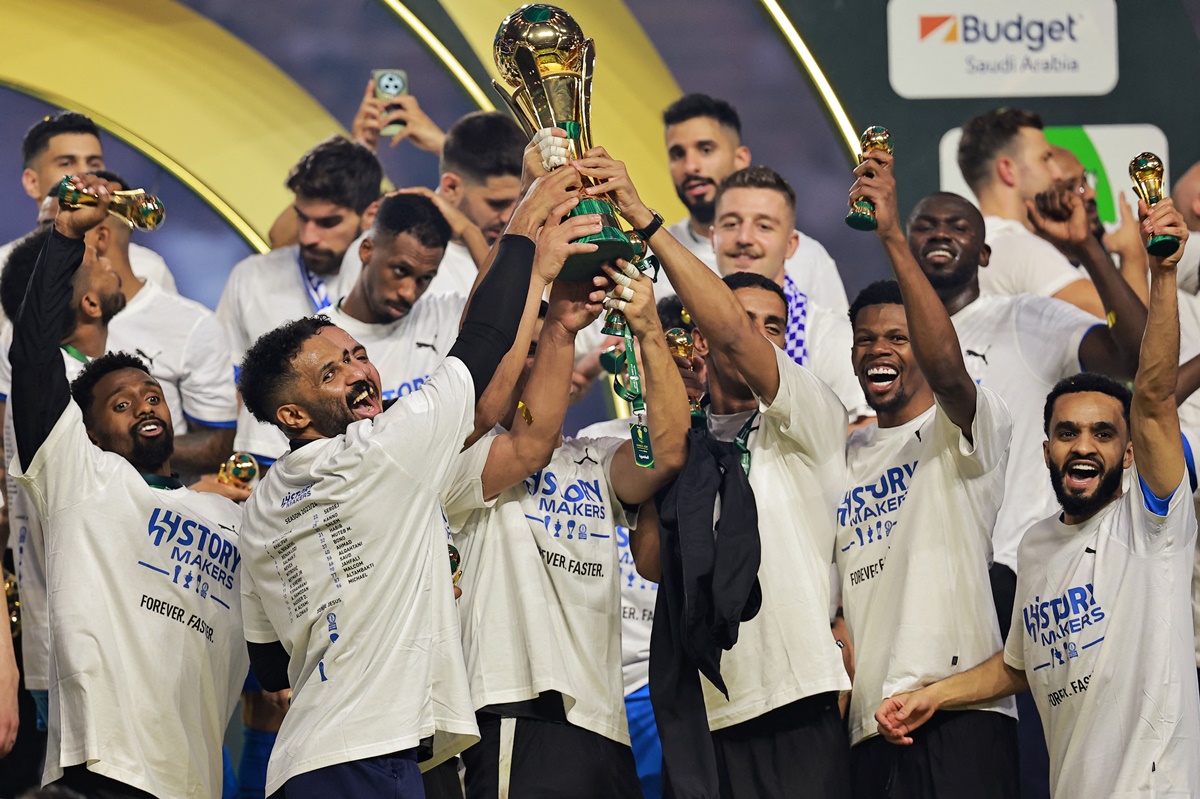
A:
{"x": 860, "y": 220}
{"x": 1162, "y": 246}
{"x": 611, "y": 243}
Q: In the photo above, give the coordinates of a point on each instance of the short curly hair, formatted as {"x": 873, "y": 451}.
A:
{"x": 83, "y": 387}
{"x": 266, "y": 370}
{"x": 881, "y": 292}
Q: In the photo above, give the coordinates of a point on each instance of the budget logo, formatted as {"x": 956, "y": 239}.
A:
{"x": 945, "y": 26}
{"x": 1019, "y": 48}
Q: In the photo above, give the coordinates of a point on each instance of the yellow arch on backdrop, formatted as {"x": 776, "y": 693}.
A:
{"x": 185, "y": 92}
{"x": 841, "y": 119}
{"x": 632, "y": 85}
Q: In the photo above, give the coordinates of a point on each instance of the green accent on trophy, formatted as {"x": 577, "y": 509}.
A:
{"x": 862, "y": 212}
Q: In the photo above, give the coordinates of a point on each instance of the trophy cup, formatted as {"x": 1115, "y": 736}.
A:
{"x": 239, "y": 470}
{"x": 540, "y": 51}
{"x": 862, "y": 213}
{"x": 1146, "y": 169}
{"x": 680, "y": 343}
{"x": 135, "y": 208}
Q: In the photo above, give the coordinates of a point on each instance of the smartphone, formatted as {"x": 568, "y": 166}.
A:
{"x": 388, "y": 84}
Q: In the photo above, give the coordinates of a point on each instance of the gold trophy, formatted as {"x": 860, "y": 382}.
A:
{"x": 680, "y": 343}
{"x": 862, "y": 213}
{"x": 540, "y": 51}
{"x": 1146, "y": 169}
{"x": 135, "y": 207}
{"x": 239, "y": 470}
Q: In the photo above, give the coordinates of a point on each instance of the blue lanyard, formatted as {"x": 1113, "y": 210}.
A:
{"x": 317, "y": 293}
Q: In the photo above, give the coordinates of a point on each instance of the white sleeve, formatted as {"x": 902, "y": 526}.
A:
{"x": 829, "y": 358}
{"x": 206, "y": 384}
{"x": 424, "y": 431}
{"x": 1162, "y": 524}
{"x": 1049, "y": 333}
{"x": 1026, "y": 264}
{"x": 463, "y": 493}
{"x": 255, "y": 625}
{"x": 230, "y": 316}
{"x": 991, "y": 435}
{"x": 1188, "y": 270}
{"x": 68, "y": 468}
{"x": 807, "y": 410}
{"x": 149, "y": 265}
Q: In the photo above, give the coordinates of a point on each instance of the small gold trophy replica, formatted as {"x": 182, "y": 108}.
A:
{"x": 240, "y": 470}
{"x": 455, "y": 564}
{"x": 680, "y": 343}
{"x": 1146, "y": 169}
{"x": 542, "y": 53}
{"x": 862, "y": 214}
{"x": 135, "y": 207}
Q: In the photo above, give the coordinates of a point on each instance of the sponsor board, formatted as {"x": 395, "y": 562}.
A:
{"x": 1104, "y": 151}
{"x": 1019, "y": 48}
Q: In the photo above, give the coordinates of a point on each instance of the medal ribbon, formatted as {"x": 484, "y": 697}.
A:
{"x": 741, "y": 439}
{"x": 76, "y": 354}
{"x": 643, "y": 454}
{"x": 317, "y": 293}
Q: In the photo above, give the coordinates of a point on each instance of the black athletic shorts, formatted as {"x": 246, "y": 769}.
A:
{"x": 442, "y": 781}
{"x": 798, "y": 750}
{"x": 528, "y": 750}
{"x": 957, "y": 753}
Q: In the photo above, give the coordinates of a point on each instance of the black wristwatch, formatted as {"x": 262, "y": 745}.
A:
{"x": 652, "y": 228}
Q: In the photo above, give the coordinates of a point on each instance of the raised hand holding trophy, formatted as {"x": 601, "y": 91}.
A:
{"x": 1146, "y": 169}
{"x": 862, "y": 214}
{"x": 135, "y": 207}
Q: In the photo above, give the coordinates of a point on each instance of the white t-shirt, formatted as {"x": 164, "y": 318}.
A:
{"x": 457, "y": 272}
{"x": 407, "y": 351}
{"x": 798, "y": 474}
{"x": 1188, "y": 269}
{"x": 1102, "y": 627}
{"x": 638, "y": 595}
{"x": 263, "y": 292}
{"x": 27, "y": 542}
{"x": 186, "y": 350}
{"x": 913, "y": 547}
{"x": 1020, "y": 347}
{"x": 346, "y": 565}
{"x": 1189, "y": 347}
{"x": 147, "y": 654}
{"x": 1023, "y": 262}
{"x": 540, "y": 609}
{"x": 810, "y": 266}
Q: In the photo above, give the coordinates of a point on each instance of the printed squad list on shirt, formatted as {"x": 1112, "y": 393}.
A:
{"x": 338, "y": 547}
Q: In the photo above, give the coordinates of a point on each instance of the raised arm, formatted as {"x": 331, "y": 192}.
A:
{"x": 40, "y": 391}
{"x": 532, "y": 440}
{"x": 553, "y": 197}
{"x": 709, "y": 301}
{"x": 490, "y": 328}
{"x": 931, "y": 333}
{"x": 667, "y": 415}
{"x": 1059, "y": 216}
{"x": 899, "y": 715}
{"x": 1154, "y": 417}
